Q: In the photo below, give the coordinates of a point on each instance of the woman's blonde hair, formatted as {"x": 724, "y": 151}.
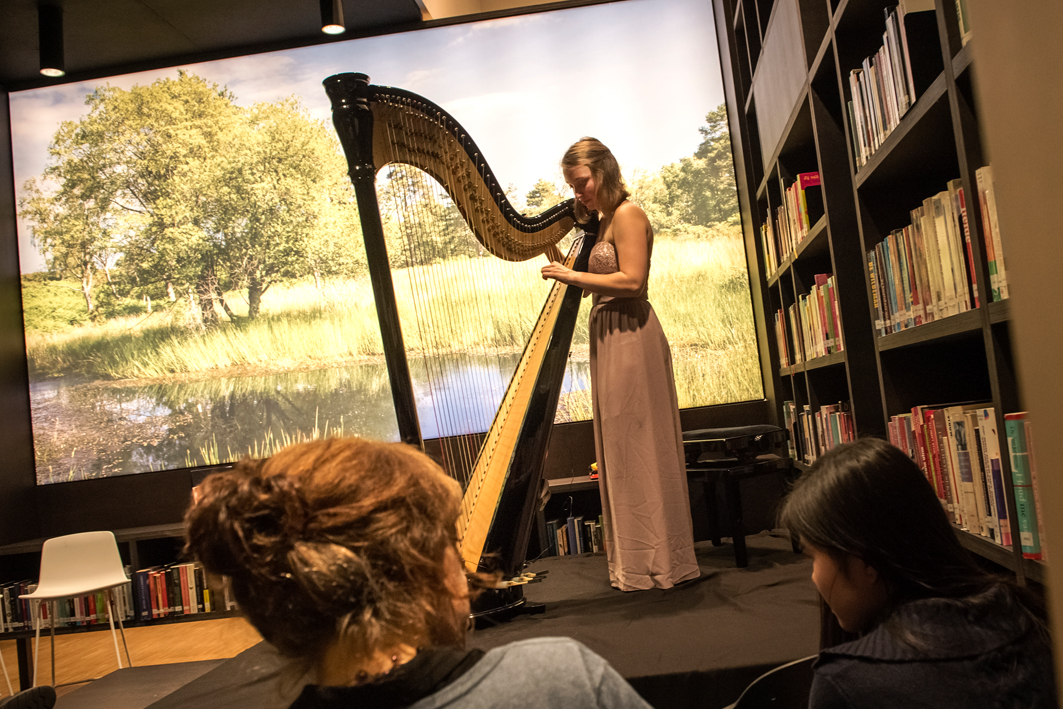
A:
{"x": 603, "y": 165}
{"x": 334, "y": 540}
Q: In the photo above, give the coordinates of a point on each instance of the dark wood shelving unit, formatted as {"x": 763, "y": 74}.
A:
{"x": 800, "y": 123}
{"x": 955, "y": 326}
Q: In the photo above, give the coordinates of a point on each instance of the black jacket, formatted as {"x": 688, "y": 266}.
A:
{"x": 985, "y": 652}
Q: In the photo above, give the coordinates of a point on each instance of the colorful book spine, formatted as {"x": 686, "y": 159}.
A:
{"x": 1022, "y": 483}
{"x": 991, "y": 439}
{"x": 1031, "y": 459}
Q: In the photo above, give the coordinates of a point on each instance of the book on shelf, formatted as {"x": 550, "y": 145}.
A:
{"x": 964, "y": 21}
{"x": 813, "y": 432}
{"x": 987, "y": 203}
{"x": 781, "y": 339}
{"x": 789, "y": 417}
{"x": 179, "y": 588}
{"x": 959, "y": 461}
{"x": 924, "y": 271}
{"x": 562, "y": 539}
{"x": 551, "y": 538}
{"x": 1026, "y": 494}
{"x": 963, "y": 236}
{"x": 87, "y": 609}
{"x": 815, "y": 324}
{"x": 957, "y": 448}
{"x": 983, "y": 509}
{"x": 994, "y": 472}
{"x": 575, "y": 539}
{"x": 592, "y": 536}
{"x": 802, "y": 206}
{"x": 886, "y": 84}
{"x": 1032, "y": 460}
{"x": 767, "y": 243}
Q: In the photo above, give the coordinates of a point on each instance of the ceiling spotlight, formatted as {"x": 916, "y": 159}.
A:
{"x": 50, "y": 36}
{"x": 332, "y": 17}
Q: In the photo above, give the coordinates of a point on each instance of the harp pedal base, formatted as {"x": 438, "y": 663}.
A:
{"x": 498, "y": 616}
{"x": 496, "y": 606}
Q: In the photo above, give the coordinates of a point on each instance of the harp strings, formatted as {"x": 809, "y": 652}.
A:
{"x": 419, "y": 206}
{"x": 459, "y": 441}
{"x": 425, "y": 239}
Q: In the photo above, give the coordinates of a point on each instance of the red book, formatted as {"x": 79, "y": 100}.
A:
{"x": 153, "y": 587}
{"x": 935, "y": 429}
{"x": 183, "y": 576}
{"x": 922, "y": 455}
{"x": 824, "y": 332}
{"x": 967, "y": 238}
{"x": 838, "y": 344}
{"x": 164, "y": 596}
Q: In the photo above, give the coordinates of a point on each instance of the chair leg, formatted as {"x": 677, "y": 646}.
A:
{"x": 51, "y": 619}
{"x": 37, "y": 642}
{"x": 7, "y": 678}
{"x": 121, "y": 630}
{"x": 738, "y": 530}
{"x": 114, "y": 635}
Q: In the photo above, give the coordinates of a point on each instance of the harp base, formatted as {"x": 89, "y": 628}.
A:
{"x": 496, "y": 606}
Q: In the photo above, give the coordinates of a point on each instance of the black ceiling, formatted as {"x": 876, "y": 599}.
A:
{"x": 105, "y": 37}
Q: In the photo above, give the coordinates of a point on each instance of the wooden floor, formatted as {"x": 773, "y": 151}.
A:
{"x": 86, "y": 656}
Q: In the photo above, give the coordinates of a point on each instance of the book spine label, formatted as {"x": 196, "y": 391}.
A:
{"x": 1025, "y": 505}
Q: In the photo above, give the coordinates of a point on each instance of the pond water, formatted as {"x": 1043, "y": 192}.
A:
{"x": 95, "y": 429}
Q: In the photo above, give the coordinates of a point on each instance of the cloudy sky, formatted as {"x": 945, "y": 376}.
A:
{"x": 640, "y": 75}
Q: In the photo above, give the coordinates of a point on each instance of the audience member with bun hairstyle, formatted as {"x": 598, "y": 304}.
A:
{"x": 938, "y": 630}
{"x": 342, "y": 554}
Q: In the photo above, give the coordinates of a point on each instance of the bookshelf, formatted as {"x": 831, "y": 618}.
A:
{"x": 140, "y": 547}
{"x": 787, "y": 67}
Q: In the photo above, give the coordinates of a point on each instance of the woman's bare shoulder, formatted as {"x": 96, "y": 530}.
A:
{"x": 629, "y": 215}
{"x": 628, "y": 210}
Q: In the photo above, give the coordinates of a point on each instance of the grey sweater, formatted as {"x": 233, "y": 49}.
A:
{"x": 542, "y": 672}
{"x": 531, "y": 674}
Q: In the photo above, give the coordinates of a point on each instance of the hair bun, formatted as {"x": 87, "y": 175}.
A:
{"x": 247, "y": 522}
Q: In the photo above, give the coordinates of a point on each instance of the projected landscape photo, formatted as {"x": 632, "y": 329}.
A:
{"x": 194, "y": 280}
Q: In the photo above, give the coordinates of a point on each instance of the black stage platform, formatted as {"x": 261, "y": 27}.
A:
{"x": 697, "y": 645}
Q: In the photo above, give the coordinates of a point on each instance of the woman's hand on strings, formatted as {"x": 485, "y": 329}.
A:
{"x": 558, "y": 272}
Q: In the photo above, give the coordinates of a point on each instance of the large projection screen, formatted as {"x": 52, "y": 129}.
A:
{"x": 194, "y": 280}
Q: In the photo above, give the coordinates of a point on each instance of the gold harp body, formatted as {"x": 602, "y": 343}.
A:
{"x": 379, "y": 126}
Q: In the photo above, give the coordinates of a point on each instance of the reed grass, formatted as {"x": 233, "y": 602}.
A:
{"x": 266, "y": 446}
{"x": 699, "y": 289}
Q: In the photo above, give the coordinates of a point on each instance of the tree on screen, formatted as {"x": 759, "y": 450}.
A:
{"x": 184, "y": 194}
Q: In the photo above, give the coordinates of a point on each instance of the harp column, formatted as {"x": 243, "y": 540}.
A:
{"x": 354, "y": 124}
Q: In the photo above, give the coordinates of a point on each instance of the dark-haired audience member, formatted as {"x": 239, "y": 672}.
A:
{"x": 342, "y": 554}
{"x": 938, "y": 630}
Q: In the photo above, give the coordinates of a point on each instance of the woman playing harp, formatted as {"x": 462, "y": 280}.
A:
{"x": 637, "y": 435}
{"x": 381, "y": 126}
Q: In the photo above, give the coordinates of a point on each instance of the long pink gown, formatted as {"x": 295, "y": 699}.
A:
{"x": 638, "y": 440}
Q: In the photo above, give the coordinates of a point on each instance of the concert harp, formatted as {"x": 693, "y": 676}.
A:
{"x": 378, "y": 126}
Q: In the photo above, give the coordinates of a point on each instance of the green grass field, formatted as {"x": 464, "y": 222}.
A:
{"x": 699, "y": 289}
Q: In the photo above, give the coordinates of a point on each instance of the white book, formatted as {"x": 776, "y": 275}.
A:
{"x": 998, "y": 247}
{"x": 933, "y": 262}
{"x": 974, "y": 453}
{"x": 984, "y": 431}
{"x": 963, "y": 484}
{"x": 949, "y": 280}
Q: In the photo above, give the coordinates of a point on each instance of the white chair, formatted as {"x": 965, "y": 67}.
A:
{"x": 77, "y": 565}
{"x": 785, "y": 687}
